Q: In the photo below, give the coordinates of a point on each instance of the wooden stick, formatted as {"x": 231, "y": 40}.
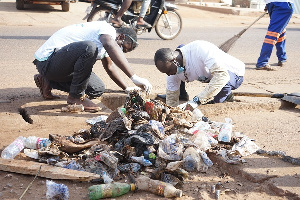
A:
{"x": 30, "y": 183}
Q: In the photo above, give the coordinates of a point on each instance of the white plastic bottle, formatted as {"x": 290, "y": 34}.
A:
{"x": 12, "y": 150}
{"x": 225, "y": 131}
{"x": 33, "y": 142}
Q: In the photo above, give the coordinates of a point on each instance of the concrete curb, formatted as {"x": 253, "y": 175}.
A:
{"x": 224, "y": 9}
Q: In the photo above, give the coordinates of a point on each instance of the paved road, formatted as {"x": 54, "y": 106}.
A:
{"x": 22, "y": 32}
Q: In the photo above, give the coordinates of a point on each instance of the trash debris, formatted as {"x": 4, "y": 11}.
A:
{"x": 153, "y": 144}
{"x": 157, "y": 187}
{"x": 73, "y": 108}
{"x": 109, "y": 190}
{"x": 12, "y": 150}
{"x": 56, "y": 191}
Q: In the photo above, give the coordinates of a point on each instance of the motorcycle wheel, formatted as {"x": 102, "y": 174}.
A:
{"x": 168, "y": 25}
{"x": 100, "y": 14}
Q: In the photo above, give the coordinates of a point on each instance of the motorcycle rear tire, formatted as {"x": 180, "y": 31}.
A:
{"x": 101, "y": 12}
{"x": 20, "y": 4}
{"x": 163, "y": 27}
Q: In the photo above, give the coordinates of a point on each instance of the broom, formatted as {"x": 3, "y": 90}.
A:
{"x": 226, "y": 46}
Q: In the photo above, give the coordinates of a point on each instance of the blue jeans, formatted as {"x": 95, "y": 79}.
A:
{"x": 70, "y": 70}
{"x": 234, "y": 82}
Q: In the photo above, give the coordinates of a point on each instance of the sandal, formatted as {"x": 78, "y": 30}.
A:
{"x": 145, "y": 25}
{"x": 267, "y": 67}
{"x": 118, "y": 25}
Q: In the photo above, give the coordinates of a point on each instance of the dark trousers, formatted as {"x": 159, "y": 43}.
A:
{"x": 70, "y": 69}
{"x": 234, "y": 82}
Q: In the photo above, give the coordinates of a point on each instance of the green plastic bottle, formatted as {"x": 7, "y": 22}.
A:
{"x": 109, "y": 190}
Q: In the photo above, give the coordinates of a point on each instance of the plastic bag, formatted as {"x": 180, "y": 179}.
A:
{"x": 170, "y": 148}
{"x": 56, "y": 191}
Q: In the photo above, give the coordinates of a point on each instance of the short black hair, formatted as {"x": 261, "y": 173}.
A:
{"x": 164, "y": 55}
{"x": 127, "y": 31}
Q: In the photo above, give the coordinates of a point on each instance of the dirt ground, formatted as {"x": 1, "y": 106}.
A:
{"x": 274, "y": 124}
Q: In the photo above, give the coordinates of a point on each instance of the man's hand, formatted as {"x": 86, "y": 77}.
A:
{"x": 142, "y": 83}
{"x": 130, "y": 89}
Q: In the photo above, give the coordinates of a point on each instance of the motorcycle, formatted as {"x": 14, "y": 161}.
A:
{"x": 160, "y": 15}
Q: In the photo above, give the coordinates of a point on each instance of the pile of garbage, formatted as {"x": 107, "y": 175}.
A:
{"x": 144, "y": 139}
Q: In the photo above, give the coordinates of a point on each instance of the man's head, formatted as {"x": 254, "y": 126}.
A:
{"x": 128, "y": 39}
{"x": 165, "y": 61}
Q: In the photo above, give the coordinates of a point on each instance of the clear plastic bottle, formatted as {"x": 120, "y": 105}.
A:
{"x": 109, "y": 190}
{"x": 157, "y": 187}
{"x": 12, "y": 150}
{"x": 225, "y": 131}
{"x": 141, "y": 160}
{"x": 108, "y": 158}
{"x": 33, "y": 142}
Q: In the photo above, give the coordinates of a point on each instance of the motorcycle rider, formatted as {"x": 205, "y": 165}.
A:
{"x": 117, "y": 21}
{"x": 65, "y": 61}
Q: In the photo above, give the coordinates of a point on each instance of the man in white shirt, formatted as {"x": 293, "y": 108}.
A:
{"x": 280, "y": 12}
{"x": 65, "y": 61}
{"x": 202, "y": 61}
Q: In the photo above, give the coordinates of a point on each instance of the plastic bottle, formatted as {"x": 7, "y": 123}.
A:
{"x": 191, "y": 160}
{"x": 157, "y": 187}
{"x": 206, "y": 159}
{"x": 141, "y": 160}
{"x": 225, "y": 131}
{"x": 109, "y": 190}
{"x": 33, "y": 142}
{"x": 109, "y": 159}
{"x": 12, "y": 150}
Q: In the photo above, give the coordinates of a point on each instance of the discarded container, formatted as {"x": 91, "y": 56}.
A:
{"x": 12, "y": 150}
{"x": 141, "y": 160}
{"x": 218, "y": 190}
{"x": 191, "y": 160}
{"x": 157, "y": 187}
{"x": 108, "y": 158}
{"x": 225, "y": 131}
{"x": 206, "y": 159}
{"x": 33, "y": 142}
{"x": 73, "y": 108}
{"x": 109, "y": 190}
{"x": 56, "y": 191}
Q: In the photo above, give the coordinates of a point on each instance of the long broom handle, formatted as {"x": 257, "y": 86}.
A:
{"x": 242, "y": 32}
